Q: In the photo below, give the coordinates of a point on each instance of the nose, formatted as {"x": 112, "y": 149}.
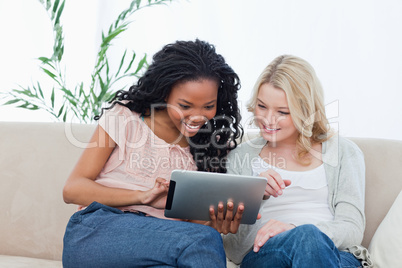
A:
{"x": 271, "y": 118}
{"x": 197, "y": 118}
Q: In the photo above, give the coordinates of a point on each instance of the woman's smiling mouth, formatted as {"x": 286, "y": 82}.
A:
{"x": 270, "y": 130}
{"x": 193, "y": 127}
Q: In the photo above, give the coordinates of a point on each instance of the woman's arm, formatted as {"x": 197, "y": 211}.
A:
{"x": 347, "y": 197}
{"x": 81, "y": 188}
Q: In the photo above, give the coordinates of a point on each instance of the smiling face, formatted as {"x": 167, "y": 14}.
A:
{"x": 273, "y": 116}
{"x": 191, "y": 104}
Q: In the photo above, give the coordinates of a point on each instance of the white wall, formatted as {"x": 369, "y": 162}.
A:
{"x": 355, "y": 47}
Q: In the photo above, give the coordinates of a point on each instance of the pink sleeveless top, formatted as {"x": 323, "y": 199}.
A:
{"x": 139, "y": 157}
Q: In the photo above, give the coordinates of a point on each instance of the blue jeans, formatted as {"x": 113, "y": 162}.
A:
{"x": 102, "y": 236}
{"x": 303, "y": 246}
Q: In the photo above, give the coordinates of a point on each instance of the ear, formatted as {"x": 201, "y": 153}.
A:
{"x": 166, "y": 98}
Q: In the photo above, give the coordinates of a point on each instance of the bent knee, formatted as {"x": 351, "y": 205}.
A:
{"x": 314, "y": 236}
{"x": 207, "y": 234}
{"x": 210, "y": 233}
{"x": 308, "y": 229}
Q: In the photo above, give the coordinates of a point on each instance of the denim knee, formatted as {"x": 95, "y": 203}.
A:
{"x": 208, "y": 234}
{"x": 312, "y": 237}
{"x": 308, "y": 236}
{"x": 309, "y": 230}
{"x": 303, "y": 246}
{"x": 203, "y": 248}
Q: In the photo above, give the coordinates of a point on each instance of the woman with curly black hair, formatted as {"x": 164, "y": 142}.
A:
{"x": 181, "y": 114}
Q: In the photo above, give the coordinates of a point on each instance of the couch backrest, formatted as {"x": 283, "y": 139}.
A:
{"x": 383, "y": 159}
{"x": 35, "y": 161}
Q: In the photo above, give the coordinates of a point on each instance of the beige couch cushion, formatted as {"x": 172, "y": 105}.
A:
{"x": 386, "y": 245}
{"x": 24, "y": 262}
{"x": 35, "y": 161}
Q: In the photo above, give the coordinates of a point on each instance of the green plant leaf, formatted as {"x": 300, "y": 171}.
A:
{"x": 121, "y": 62}
{"x": 44, "y": 59}
{"x": 60, "y": 111}
{"x": 47, "y": 61}
{"x": 40, "y": 91}
{"x": 78, "y": 115}
{"x": 81, "y": 91}
{"x": 48, "y": 4}
{"x": 131, "y": 5}
{"x": 131, "y": 62}
{"x": 36, "y": 92}
{"x": 56, "y": 4}
{"x": 32, "y": 107}
{"x": 12, "y": 101}
{"x": 73, "y": 102}
{"x": 49, "y": 73}
{"x": 24, "y": 105}
{"x": 85, "y": 113}
{"x": 113, "y": 35}
{"x": 26, "y": 92}
{"x": 141, "y": 64}
{"x": 68, "y": 92}
{"x": 104, "y": 89}
{"x": 108, "y": 96}
{"x": 60, "y": 54}
{"x": 107, "y": 69}
{"x": 52, "y": 98}
{"x": 57, "y": 20}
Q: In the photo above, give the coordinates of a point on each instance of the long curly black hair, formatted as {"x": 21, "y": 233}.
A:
{"x": 185, "y": 61}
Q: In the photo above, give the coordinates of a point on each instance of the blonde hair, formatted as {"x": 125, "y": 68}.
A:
{"x": 305, "y": 98}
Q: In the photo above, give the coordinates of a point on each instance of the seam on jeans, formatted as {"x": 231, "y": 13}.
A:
{"x": 76, "y": 217}
{"x": 100, "y": 221}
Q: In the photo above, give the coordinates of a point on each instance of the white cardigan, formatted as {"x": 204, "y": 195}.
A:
{"x": 345, "y": 171}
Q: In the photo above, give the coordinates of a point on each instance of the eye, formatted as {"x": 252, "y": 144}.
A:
{"x": 283, "y": 113}
{"x": 209, "y": 107}
{"x": 184, "y": 107}
{"x": 261, "y": 106}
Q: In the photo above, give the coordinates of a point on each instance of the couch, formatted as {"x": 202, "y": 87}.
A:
{"x": 36, "y": 159}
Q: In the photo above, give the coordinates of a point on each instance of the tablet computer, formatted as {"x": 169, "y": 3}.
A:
{"x": 191, "y": 193}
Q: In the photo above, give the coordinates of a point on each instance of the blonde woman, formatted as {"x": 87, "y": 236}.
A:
{"x": 313, "y": 212}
